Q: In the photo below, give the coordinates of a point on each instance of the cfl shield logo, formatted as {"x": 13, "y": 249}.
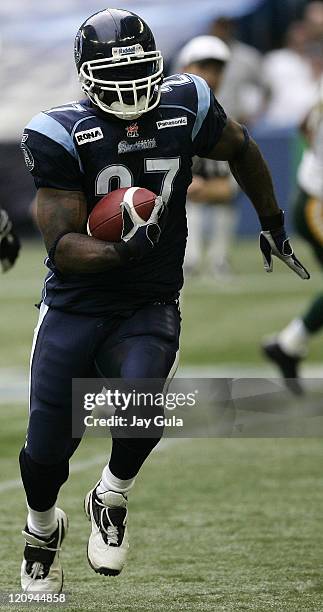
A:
{"x": 132, "y": 130}
{"x": 88, "y": 136}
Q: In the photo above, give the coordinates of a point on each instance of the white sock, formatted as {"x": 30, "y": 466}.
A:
{"x": 109, "y": 482}
{"x": 294, "y": 338}
{"x": 42, "y": 523}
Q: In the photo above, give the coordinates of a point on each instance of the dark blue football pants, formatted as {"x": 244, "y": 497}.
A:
{"x": 140, "y": 344}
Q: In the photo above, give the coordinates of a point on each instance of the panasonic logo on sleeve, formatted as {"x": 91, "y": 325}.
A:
{"x": 169, "y": 123}
{"x": 89, "y": 135}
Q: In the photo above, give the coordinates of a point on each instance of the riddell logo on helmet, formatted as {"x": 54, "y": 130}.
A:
{"x": 131, "y": 50}
{"x": 89, "y": 135}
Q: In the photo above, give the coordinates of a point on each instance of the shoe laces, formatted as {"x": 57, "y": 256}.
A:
{"x": 38, "y": 568}
{"x": 112, "y": 531}
{"x": 37, "y": 571}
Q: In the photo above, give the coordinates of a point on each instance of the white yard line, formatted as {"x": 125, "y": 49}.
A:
{"x": 8, "y": 485}
{"x": 81, "y": 466}
{"x": 14, "y": 382}
{"x": 76, "y": 466}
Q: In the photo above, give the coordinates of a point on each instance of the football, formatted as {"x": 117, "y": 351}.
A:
{"x": 105, "y": 220}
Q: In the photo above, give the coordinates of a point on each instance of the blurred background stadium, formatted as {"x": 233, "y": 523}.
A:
{"x": 224, "y": 320}
{"x": 272, "y": 94}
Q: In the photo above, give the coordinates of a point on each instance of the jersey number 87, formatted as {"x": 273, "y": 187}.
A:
{"x": 168, "y": 166}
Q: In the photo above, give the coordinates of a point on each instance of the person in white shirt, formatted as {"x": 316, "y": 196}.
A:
{"x": 290, "y": 79}
{"x": 211, "y": 213}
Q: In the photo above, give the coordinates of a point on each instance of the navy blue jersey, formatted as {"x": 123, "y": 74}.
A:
{"x": 77, "y": 147}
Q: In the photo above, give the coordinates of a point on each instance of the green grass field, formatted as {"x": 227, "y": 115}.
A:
{"x": 221, "y": 324}
{"x": 215, "y": 524}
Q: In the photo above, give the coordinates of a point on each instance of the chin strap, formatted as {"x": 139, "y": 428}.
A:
{"x": 116, "y": 108}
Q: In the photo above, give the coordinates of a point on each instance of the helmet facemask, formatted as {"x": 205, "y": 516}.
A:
{"x": 125, "y": 97}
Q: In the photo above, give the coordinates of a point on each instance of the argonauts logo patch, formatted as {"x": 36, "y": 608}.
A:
{"x": 29, "y": 160}
{"x": 78, "y": 44}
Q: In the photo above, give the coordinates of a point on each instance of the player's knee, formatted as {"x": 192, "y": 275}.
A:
{"x": 48, "y": 438}
{"x": 44, "y": 455}
{"x": 32, "y": 469}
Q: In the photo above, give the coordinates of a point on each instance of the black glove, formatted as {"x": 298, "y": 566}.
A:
{"x": 273, "y": 241}
{"x": 138, "y": 236}
{"x": 9, "y": 242}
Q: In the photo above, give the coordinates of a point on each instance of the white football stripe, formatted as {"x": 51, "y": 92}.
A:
{"x": 42, "y": 314}
{"x": 128, "y": 197}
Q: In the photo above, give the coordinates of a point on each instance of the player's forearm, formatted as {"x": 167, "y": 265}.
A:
{"x": 252, "y": 174}
{"x": 78, "y": 253}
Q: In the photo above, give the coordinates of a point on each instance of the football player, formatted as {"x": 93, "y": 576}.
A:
{"x": 116, "y": 299}
{"x": 9, "y": 242}
{"x": 289, "y": 347}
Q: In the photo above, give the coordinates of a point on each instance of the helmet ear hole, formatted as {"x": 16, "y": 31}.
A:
{"x": 94, "y": 89}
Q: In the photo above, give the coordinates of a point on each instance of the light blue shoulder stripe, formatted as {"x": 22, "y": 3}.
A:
{"x": 78, "y": 123}
{"x": 46, "y": 125}
{"x": 203, "y": 97}
{"x": 188, "y": 110}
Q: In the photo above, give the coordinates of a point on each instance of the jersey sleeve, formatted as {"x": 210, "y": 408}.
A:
{"x": 210, "y": 119}
{"x": 50, "y": 154}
